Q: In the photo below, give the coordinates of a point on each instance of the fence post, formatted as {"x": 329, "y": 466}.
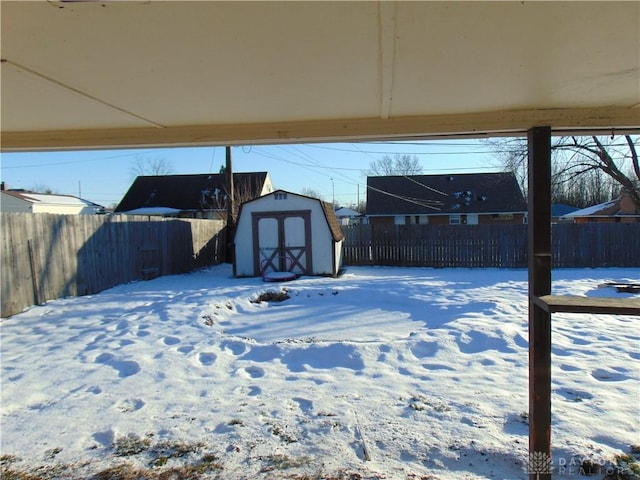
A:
{"x": 34, "y": 276}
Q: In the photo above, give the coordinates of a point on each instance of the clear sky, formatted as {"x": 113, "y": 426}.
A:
{"x": 335, "y": 171}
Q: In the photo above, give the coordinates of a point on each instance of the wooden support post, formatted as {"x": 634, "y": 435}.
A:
{"x": 231, "y": 208}
{"x": 539, "y": 263}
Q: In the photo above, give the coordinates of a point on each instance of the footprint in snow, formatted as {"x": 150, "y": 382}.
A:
{"x": 572, "y": 395}
{"x": 568, "y": 368}
{"x": 237, "y": 348}
{"x": 207, "y": 358}
{"x": 424, "y": 349}
{"x": 130, "y": 405}
{"x": 255, "y": 372}
{"x": 125, "y": 368}
{"x": 616, "y": 374}
{"x": 305, "y": 405}
{"x": 254, "y": 391}
{"x": 105, "y": 438}
{"x": 170, "y": 340}
{"x": 122, "y": 325}
{"x": 437, "y": 366}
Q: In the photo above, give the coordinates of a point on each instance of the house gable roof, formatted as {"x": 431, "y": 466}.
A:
{"x": 346, "y": 212}
{"x": 561, "y": 209}
{"x": 49, "y": 198}
{"x": 611, "y": 208}
{"x": 444, "y": 194}
{"x": 188, "y": 192}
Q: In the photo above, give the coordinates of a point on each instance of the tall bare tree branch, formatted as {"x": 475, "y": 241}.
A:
{"x": 598, "y": 162}
{"x": 399, "y": 164}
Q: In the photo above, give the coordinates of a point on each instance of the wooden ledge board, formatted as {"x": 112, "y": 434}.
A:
{"x": 596, "y": 305}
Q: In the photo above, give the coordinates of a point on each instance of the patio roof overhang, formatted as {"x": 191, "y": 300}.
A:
{"x": 111, "y": 74}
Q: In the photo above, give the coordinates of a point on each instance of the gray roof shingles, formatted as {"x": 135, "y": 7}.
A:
{"x": 444, "y": 194}
{"x": 187, "y": 192}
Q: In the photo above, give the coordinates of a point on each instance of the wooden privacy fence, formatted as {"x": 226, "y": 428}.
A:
{"x": 502, "y": 246}
{"x": 46, "y": 256}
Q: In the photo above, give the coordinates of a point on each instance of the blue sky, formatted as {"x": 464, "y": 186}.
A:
{"x": 330, "y": 169}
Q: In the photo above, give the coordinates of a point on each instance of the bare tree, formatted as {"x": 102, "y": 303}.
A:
{"x": 585, "y": 170}
{"x": 399, "y": 164}
{"x": 42, "y": 188}
{"x": 361, "y": 207}
{"x": 310, "y": 192}
{"x": 215, "y": 199}
{"x": 151, "y": 166}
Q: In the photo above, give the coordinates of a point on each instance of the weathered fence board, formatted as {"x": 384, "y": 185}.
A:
{"x": 46, "y": 256}
{"x": 500, "y": 246}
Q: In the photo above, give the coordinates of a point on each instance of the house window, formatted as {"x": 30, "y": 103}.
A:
{"x": 454, "y": 219}
{"x": 280, "y": 196}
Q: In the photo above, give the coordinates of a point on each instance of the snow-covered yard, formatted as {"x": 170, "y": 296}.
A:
{"x": 425, "y": 371}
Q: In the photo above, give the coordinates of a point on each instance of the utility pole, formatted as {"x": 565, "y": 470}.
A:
{"x": 231, "y": 223}
{"x": 333, "y": 194}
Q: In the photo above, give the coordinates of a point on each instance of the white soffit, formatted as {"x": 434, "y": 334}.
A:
{"x": 142, "y": 73}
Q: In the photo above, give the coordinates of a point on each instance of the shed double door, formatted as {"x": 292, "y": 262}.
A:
{"x": 282, "y": 242}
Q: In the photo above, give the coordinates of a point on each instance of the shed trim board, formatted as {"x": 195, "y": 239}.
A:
{"x": 262, "y": 260}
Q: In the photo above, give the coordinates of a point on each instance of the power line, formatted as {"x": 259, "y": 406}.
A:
{"x": 367, "y": 152}
{"x": 432, "y": 204}
{"x": 84, "y": 160}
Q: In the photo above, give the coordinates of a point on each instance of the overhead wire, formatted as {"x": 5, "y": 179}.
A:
{"x": 84, "y": 160}
{"x": 432, "y": 204}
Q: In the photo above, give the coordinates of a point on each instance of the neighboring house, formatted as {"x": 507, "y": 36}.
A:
{"x": 559, "y": 210}
{"x": 190, "y": 196}
{"x": 347, "y": 216}
{"x": 25, "y": 201}
{"x": 287, "y": 232}
{"x": 620, "y": 210}
{"x": 451, "y": 199}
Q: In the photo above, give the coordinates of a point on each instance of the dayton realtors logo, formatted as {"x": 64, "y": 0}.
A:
{"x": 539, "y": 464}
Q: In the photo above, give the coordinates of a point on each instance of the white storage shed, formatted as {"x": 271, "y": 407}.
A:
{"x": 287, "y": 232}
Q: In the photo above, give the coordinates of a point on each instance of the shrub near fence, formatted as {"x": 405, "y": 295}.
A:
{"x": 500, "y": 246}
{"x": 46, "y": 256}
